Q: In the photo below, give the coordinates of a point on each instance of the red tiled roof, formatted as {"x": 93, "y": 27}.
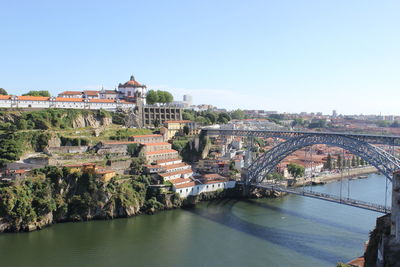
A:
{"x": 185, "y": 185}
{"x": 131, "y": 84}
{"x": 180, "y": 180}
{"x": 102, "y": 100}
{"x": 108, "y": 92}
{"x": 157, "y": 144}
{"x": 5, "y": 96}
{"x": 33, "y": 98}
{"x": 163, "y": 151}
{"x": 66, "y": 99}
{"x": 175, "y": 173}
{"x": 176, "y": 165}
{"x": 91, "y": 93}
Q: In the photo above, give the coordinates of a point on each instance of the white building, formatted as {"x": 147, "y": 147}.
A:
{"x": 7, "y": 101}
{"x": 132, "y": 89}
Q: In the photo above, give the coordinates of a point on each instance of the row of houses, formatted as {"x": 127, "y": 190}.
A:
{"x": 8, "y": 101}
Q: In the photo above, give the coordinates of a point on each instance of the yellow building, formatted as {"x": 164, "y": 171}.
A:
{"x": 83, "y": 167}
{"x": 177, "y": 127}
{"x": 105, "y": 175}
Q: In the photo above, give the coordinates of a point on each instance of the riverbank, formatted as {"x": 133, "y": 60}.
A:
{"x": 331, "y": 177}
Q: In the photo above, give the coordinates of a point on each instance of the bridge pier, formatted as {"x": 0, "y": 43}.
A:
{"x": 395, "y": 216}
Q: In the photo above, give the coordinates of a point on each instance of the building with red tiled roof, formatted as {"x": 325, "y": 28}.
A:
{"x": 132, "y": 89}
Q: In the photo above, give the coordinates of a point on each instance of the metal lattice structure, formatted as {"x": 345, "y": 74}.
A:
{"x": 358, "y": 144}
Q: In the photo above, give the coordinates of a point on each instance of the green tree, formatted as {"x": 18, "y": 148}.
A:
{"x": 168, "y": 97}
{"x": 328, "y": 164}
{"x": 38, "y": 93}
{"x": 353, "y": 161}
{"x": 238, "y": 114}
{"x": 211, "y": 116}
{"x": 3, "y": 91}
{"x": 161, "y": 96}
{"x": 295, "y": 170}
{"x": 133, "y": 150}
{"x": 188, "y": 115}
{"x": 152, "y": 97}
{"x": 223, "y": 118}
{"x": 137, "y": 166}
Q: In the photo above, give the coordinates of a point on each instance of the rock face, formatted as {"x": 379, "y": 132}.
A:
{"x": 90, "y": 120}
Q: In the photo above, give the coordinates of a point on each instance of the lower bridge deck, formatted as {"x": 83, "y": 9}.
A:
{"x": 326, "y": 197}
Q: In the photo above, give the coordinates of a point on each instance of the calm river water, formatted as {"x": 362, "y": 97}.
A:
{"x": 290, "y": 231}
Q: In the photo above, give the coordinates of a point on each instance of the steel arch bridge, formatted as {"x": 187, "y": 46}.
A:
{"x": 358, "y": 144}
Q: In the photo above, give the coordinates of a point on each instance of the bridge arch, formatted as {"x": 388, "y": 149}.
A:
{"x": 266, "y": 163}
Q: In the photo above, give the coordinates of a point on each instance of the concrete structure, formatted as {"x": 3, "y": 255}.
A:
{"x": 153, "y": 115}
{"x": 395, "y": 216}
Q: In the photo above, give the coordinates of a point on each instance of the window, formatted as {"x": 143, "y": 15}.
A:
{"x": 187, "y": 189}
{"x": 207, "y": 186}
{"x": 180, "y": 191}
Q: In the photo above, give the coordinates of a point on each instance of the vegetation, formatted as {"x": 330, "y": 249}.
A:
{"x": 37, "y": 93}
{"x": 3, "y": 91}
{"x": 206, "y": 117}
{"x": 159, "y": 97}
{"x": 70, "y": 141}
{"x": 295, "y": 170}
{"x": 123, "y": 134}
{"x": 12, "y": 145}
{"x": 46, "y": 119}
{"x": 76, "y": 196}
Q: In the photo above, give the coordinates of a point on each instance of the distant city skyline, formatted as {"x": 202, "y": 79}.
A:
{"x": 290, "y": 56}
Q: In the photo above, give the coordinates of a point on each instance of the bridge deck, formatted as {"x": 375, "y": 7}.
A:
{"x": 328, "y": 197}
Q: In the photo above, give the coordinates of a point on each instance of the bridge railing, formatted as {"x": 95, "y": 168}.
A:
{"x": 344, "y": 200}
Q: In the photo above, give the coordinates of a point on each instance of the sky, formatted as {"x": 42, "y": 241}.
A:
{"x": 283, "y": 55}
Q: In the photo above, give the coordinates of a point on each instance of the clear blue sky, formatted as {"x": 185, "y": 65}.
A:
{"x": 283, "y": 55}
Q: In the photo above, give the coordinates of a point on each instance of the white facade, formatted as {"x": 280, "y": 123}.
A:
{"x": 203, "y": 188}
{"x": 59, "y": 102}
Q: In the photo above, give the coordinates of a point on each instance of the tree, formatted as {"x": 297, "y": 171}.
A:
{"x": 339, "y": 162}
{"x": 211, "y": 116}
{"x": 353, "y": 161}
{"x": 152, "y": 97}
{"x": 328, "y": 164}
{"x": 238, "y": 114}
{"x": 223, "y": 118}
{"x": 188, "y": 115}
{"x": 186, "y": 130}
{"x": 137, "y": 166}
{"x": 3, "y": 91}
{"x": 168, "y": 97}
{"x": 133, "y": 150}
{"x": 295, "y": 170}
{"x": 38, "y": 93}
{"x": 161, "y": 97}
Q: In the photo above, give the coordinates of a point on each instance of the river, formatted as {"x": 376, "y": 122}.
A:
{"x": 289, "y": 231}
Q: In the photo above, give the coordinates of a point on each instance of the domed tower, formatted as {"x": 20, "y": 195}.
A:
{"x": 133, "y": 90}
